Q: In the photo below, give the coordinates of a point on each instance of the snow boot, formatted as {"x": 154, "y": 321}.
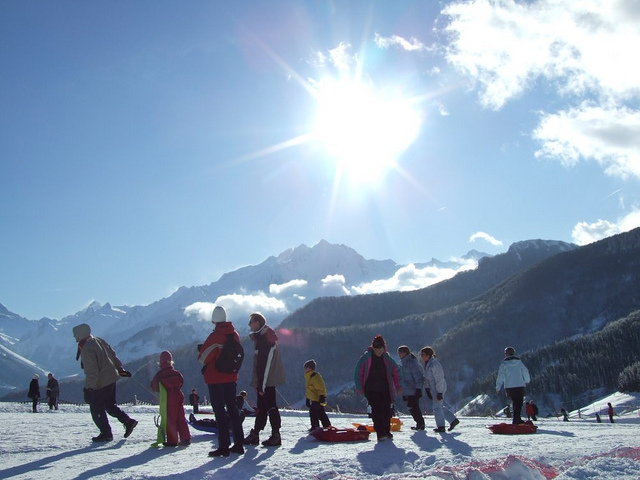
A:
{"x": 453, "y": 424}
{"x": 273, "y": 441}
{"x": 129, "y": 426}
{"x": 103, "y": 437}
{"x": 439, "y": 430}
{"x": 237, "y": 448}
{"x": 253, "y": 438}
{"x": 220, "y": 452}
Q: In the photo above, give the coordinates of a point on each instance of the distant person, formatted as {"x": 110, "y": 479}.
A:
{"x": 194, "y": 400}
{"x": 379, "y": 378}
{"x": 177, "y": 430}
{"x": 532, "y": 411}
{"x": 244, "y": 405}
{"x": 316, "y": 395}
{"x": 565, "y": 416}
{"x": 436, "y": 386}
{"x": 102, "y": 368}
{"x": 514, "y": 376}
{"x": 222, "y": 385}
{"x": 53, "y": 391}
{"x": 412, "y": 384}
{"x": 268, "y": 373}
{"x": 34, "y": 392}
{"x": 610, "y": 412}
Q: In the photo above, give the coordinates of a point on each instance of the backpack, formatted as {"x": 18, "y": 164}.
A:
{"x": 231, "y": 356}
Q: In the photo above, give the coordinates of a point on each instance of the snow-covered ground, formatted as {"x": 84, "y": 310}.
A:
{"x": 57, "y": 444}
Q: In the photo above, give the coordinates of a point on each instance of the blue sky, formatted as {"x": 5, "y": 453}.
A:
{"x": 149, "y": 145}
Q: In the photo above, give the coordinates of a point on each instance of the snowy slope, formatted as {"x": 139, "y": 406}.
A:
{"x": 581, "y": 449}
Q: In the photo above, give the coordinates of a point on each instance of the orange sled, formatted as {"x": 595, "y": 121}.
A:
{"x": 509, "y": 429}
{"x": 396, "y": 425}
{"x": 333, "y": 434}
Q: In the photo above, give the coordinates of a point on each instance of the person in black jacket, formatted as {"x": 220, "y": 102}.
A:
{"x": 268, "y": 373}
{"x": 53, "y": 391}
{"x": 194, "y": 400}
{"x": 34, "y": 392}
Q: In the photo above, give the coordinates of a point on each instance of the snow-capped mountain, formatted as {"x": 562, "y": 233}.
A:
{"x": 276, "y": 287}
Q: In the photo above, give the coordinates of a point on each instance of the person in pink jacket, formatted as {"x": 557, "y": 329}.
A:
{"x": 172, "y": 381}
{"x": 379, "y": 378}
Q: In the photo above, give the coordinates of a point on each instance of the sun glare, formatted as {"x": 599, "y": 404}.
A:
{"x": 364, "y": 131}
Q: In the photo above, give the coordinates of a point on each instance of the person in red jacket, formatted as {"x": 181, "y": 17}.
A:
{"x": 222, "y": 386}
{"x": 177, "y": 429}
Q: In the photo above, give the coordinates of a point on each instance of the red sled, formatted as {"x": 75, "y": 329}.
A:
{"x": 510, "y": 429}
{"x": 333, "y": 434}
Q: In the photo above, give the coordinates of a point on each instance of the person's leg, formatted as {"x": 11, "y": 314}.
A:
{"x": 517, "y": 397}
{"x": 99, "y": 414}
{"x": 234, "y": 415}
{"x": 216, "y": 393}
{"x": 274, "y": 416}
{"x": 438, "y": 413}
{"x": 322, "y": 416}
{"x": 314, "y": 414}
{"x": 413, "y": 404}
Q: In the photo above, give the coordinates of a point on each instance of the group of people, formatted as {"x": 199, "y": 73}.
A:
{"x": 379, "y": 378}
{"x": 52, "y": 392}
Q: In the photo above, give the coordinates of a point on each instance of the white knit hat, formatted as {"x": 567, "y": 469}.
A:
{"x": 219, "y": 315}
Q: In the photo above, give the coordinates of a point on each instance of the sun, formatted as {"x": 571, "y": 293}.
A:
{"x": 364, "y": 130}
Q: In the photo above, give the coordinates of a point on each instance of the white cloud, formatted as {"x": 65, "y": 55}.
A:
{"x": 486, "y": 237}
{"x": 584, "y": 233}
{"x": 279, "y": 289}
{"x": 334, "y": 285}
{"x": 584, "y": 50}
{"x": 341, "y": 58}
{"x": 583, "y": 46}
{"x": 611, "y": 136}
{"x": 396, "y": 41}
{"x": 238, "y": 307}
{"x": 410, "y": 277}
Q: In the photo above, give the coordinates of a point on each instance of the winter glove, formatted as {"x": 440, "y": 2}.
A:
{"x": 322, "y": 401}
{"x": 308, "y": 402}
{"x": 429, "y": 394}
{"x": 124, "y": 373}
{"x": 418, "y": 392}
{"x": 439, "y": 397}
{"x": 88, "y": 395}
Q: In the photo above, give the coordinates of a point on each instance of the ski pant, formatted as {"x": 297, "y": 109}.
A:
{"x": 380, "y": 411}
{"x": 103, "y": 401}
{"x": 34, "y": 404}
{"x": 516, "y": 394}
{"x": 177, "y": 427}
{"x": 267, "y": 407}
{"x": 441, "y": 411}
{"x": 413, "y": 404}
{"x": 318, "y": 414}
{"x": 53, "y": 402}
{"x": 223, "y": 395}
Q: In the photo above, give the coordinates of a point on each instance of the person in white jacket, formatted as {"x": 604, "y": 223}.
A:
{"x": 436, "y": 386}
{"x": 514, "y": 376}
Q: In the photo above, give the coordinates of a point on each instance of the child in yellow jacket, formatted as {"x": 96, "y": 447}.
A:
{"x": 316, "y": 393}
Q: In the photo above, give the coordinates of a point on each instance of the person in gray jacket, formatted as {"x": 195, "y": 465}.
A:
{"x": 513, "y": 375}
{"x": 412, "y": 384}
{"x": 102, "y": 368}
{"x": 436, "y": 386}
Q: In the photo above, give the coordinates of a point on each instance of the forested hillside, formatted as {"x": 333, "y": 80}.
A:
{"x": 575, "y": 368}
